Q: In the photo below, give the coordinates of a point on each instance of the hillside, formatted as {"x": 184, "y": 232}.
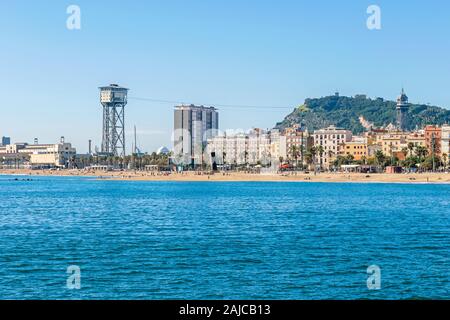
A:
{"x": 350, "y": 112}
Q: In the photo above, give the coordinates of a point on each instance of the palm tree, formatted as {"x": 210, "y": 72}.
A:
{"x": 421, "y": 152}
{"x": 444, "y": 159}
{"x": 411, "y": 148}
{"x": 391, "y": 152}
{"x": 320, "y": 152}
{"x": 294, "y": 153}
{"x": 379, "y": 157}
{"x": 405, "y": 151}
{"x": 203, "y": 156}
{"x": 309, "y": 157}
{"x": 364, "y": 160}
{"x": 245, "y": 157}
{"x": 350, "y": 158}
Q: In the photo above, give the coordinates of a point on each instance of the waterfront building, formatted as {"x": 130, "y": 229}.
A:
{"x": 241, "y": 149}
{"x": 414, "y": 140}
{"x": 445, "y": 140}
{"x": 260, "y": 146}
{"x": 40, "y": 155}
{"x": 193, "y": 126}
{"x": 254, "y": 147}
{"x": 402, "y": 111}
{"x": 5, "y": 141}
{"x": 257, "y": 141}
{"x": 433, "y": 139}
{"x": 373, "y": 135}
{"x": 219, "y": 147}
{"x": 330, "y": 140}
{"x": 12, "y": 148}
{"x": 236, "y": 149}
{"x": 357, "y": 148}
{"x": 417, "y": 138}
{"x": 297, "y": 142}
{"x": 392, "y": 143}
{"x": 277, "y": 148}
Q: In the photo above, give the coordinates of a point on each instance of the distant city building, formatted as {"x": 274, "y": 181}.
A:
{"x": 5, "y": 141}
{"x": 257, "y": 147}
{"x": 445, "y": 141}
{"x": 193, "y": 126}
{"x": 357, "y": 148}
{"x": 417, "y": 139}
{"x": 40, "y": 155}
{"x": 297, "y": 142}
{"x": 331, "y": 140}
{"x": 433, "y": 136}
{"x": 392, "y": 142}
{"x": 402, "y": 110}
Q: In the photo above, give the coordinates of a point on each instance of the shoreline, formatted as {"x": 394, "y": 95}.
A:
{"x": 413, "y": 178}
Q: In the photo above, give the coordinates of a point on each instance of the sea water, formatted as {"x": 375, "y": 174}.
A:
{"x": 222, "y": 240}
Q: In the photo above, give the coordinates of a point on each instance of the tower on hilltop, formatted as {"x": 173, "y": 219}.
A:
{"x": 402, "y": 110}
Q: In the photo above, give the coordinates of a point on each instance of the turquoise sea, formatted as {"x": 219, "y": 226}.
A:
{"x": 222, "y": 240}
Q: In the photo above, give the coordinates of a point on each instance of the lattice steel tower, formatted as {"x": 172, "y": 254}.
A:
{"x": 113, "y": 99}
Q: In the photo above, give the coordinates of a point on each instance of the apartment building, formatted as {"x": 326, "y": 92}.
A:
{"x": 445, "y": 140}
{"x": 357, "y": 148}
{"x": 433, "y": 141}
{"x": 331, "y": 140}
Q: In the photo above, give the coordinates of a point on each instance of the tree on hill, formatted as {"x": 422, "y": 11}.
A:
{"x": 345, "y": 112}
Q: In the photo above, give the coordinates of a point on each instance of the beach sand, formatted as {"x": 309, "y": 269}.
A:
{"x": 237, "y": 176}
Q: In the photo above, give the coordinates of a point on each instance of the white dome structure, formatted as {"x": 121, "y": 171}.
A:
{"x": 162, "y": 150}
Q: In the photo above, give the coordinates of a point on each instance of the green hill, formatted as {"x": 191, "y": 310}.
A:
{"x": 345, "y": 112}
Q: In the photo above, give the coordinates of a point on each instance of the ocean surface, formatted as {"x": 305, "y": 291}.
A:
{"x": 222, "y": 240}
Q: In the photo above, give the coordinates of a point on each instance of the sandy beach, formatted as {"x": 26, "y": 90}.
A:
{"x": 238, "y": 176}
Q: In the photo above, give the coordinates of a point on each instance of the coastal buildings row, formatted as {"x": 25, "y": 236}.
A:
{"x": 256, "y": 147}
{"x": 325, "y": 145}
{"x": 198, "y": 141}
{"x": 37, "y": 155}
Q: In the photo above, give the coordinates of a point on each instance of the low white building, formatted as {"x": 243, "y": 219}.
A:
{"x": 40, "y": 155}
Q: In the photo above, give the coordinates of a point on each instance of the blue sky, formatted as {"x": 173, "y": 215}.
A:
{"x": 254, "y": 52}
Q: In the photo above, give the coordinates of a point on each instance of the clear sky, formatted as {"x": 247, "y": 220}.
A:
{"x": 235, "y": 52}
